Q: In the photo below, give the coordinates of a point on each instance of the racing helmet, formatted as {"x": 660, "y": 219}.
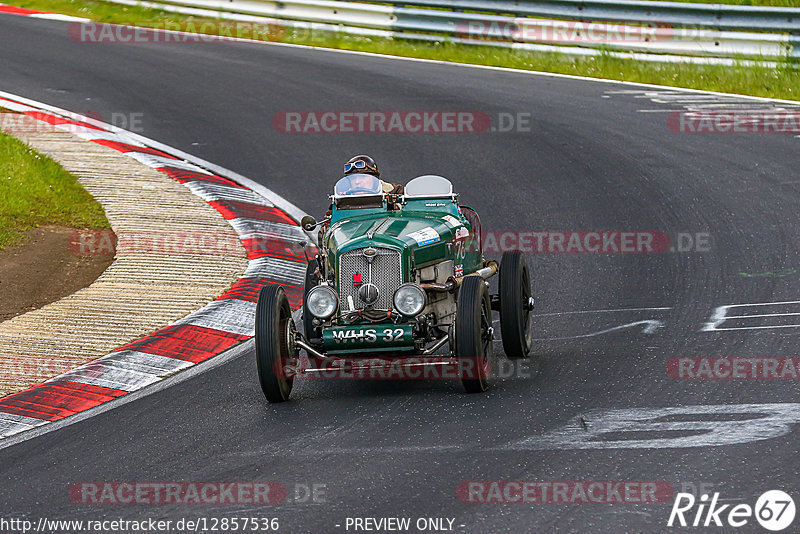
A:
{"x": 361, "y": 164}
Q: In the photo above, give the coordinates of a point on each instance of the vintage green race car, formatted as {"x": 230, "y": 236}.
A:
{"x": 396, "y": 279}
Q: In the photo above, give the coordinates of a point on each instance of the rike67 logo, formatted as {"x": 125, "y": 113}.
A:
{"x": 774, "y": 510}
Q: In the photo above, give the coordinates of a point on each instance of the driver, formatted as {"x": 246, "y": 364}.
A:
{"x": 358, "y": 166}
{"x": 362, "y": 182}
{"x": 363, "y": 164}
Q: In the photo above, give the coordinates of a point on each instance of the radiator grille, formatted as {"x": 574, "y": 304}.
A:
{"x": 386, "y": 275}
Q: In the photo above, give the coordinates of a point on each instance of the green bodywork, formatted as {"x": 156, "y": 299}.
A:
{"x": 426, "y": 232}
{"x": 351, "y": 228}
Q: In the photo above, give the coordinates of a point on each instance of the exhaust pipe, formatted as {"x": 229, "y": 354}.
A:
{"x": 488, "y": 270}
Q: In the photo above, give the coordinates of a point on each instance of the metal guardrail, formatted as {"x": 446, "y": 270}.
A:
{"x": 677, "y": 14}
{"x": 661, "y": 31}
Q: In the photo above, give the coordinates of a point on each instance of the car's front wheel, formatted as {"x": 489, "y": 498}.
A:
{"x": 275, "y": 350}
{"x": 474, "y": 334}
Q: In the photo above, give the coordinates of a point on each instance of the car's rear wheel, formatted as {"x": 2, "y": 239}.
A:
{"x": 275, "y": 349}
{"x": 516, "y": 305}
{"x": 474, "y": 334}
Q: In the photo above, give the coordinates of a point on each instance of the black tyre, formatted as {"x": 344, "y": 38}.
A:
{"x": 473, "y": 334}
{"x": 516, "y": 309}
{"x": 274, "y": 346}
{"x": 311, "y": 280}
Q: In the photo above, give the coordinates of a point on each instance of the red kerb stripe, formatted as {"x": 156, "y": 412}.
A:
{"x": 56, "y": 400}
{"x": 185, "y": 342}
{"x": 125, "y": 147}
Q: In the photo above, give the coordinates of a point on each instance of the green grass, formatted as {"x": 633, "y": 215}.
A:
{"x": 35, "y": 190}
{"x": 781, "y": 82}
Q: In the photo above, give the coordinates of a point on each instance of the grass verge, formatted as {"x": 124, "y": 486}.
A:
{"x": 35, "y": 190}
{"x": 781, "y": 82}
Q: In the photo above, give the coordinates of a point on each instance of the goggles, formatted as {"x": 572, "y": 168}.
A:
{"x": 360, "y": 165}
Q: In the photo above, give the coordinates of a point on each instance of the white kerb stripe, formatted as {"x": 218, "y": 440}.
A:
{"x": 154, "y": 364}
{"x": 209, "y": 192}
{"x": 229, "y": 315}
{"x": 11, "y": 424}
{"x": 93, "y": 135}
{"x": 157, "y": 162}
{"x": 254, "y": 228}
{"x": 275, "y": 269}
{"x": 109, "y": 374}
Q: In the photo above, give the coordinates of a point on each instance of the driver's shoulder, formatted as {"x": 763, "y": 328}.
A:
{"x": 390, "y": 188}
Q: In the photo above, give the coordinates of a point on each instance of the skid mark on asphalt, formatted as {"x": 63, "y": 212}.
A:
{"x": 651, "y": 325}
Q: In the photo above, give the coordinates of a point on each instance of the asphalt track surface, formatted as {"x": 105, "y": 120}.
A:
{"x": 383, "y": 448}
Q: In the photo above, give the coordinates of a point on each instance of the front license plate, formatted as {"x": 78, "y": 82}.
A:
{"x": 368, "y": 338}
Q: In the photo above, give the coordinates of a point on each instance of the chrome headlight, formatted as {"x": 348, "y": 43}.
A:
{"x": 322, "y": 302}
{"x": 409, "y": 299}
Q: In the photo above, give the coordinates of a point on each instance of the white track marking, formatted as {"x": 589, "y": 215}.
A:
{"x": 702, "y": 104}
{"x": 58, "y": 16}
{"x": 720, "y": 316}
{"x": 761, "y": 315}
{"x": 600, "y": 311}
{"x": 587, "y": 432}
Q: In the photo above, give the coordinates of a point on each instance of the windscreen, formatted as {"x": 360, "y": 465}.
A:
{"x": 358, "y": 184}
